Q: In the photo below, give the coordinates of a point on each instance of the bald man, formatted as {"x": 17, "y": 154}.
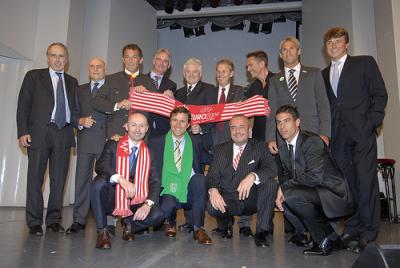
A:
{"x": 91, "y": 138}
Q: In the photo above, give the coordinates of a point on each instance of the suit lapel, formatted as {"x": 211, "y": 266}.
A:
{"x": 46, "y": 79}
{"x": 284, "y": 86}
{"x": 343, "y": 74}
{"x": 231, "y": 94}
{"x": 163, "y": 84}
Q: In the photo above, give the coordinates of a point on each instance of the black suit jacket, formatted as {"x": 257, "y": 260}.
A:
{"x": 117, "y": 90}
{"x": 159, "y": 125}
{"x": 36, "y": 104}
{"x": 315, "y": 168}
{"x": 91, "y": 140}
{"x": 255, "y": 158}
{"x": 157, "y": 146}
{"x": 106, "y": 167}
{"x": 362, "y": 97}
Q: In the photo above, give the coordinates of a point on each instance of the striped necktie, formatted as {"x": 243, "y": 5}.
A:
{"x": 292, "y": 84}
{"x": 155, "y": 79}
{"x": 95, "y": 89}
{"x": 236, "y": 160}
{"x": 178, "y": 156}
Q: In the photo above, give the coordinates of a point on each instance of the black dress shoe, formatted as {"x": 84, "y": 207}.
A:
{"x": 324, "y": 248}
{"x": 300, "y": 240}
{"x": 75, "y": 228}
{"x": 56, "y": 228}
{"x": 349, "y": 242}
{"x": 246, "y": 231}
{"x": 227, "y": 233}
{"x": 260, "y": 238}
{"x": 186, "y": 227}
{"x": 111, "y": 230}
{"x": 362, "y": 243}
{"x": 36, "y": 230}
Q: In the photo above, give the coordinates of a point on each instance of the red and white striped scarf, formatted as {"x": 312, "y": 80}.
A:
{"x": 122, "y": 203}
{"x": 160, "y": 104}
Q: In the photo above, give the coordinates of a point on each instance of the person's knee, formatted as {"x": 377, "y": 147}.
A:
{"x": 97, "y": 186}
{"x": 157, "y": 216}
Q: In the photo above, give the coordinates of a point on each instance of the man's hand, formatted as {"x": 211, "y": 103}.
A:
{"x": 169, "y": 93}
{"x": 139, "y": 89}
{"x": 216, "y": 200}
{"x": 25, "y": 140}
{"x": 245, "y": 186}
{"x": 196, "y": 129}
{"x": 128, "y": 187}
{"x": 325, "y": 139}
{"x": 273, "y": 148}
{"x": 279, "y": 199}
{"x": 87, "y": 122}
{"x": 141, "y": 213}
{"x": 124, "y": 104}
{"x": 116, "y": 137}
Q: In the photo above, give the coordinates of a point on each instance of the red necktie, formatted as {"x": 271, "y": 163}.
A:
{"x": 220, "y": 125}
{"x": 236, "y": 160}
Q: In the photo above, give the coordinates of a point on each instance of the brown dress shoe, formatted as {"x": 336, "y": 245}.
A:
{"x": 201, "y": 236}
{"x": 103, "y": 239}
{"x": 170, "y": 230}
{"x": 127, "y": 233}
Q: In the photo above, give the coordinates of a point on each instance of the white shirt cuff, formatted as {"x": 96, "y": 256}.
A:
{"x": 114, "y": 178}
{"x": 257, "y": 180}
{"x": 115, "y": 107}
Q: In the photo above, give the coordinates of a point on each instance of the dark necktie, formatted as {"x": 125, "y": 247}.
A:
{"x": 220, "y": 125}
{"x": 132, "y": 163}
{"x": 292, "y": 84}
{"x": 60, "y": 115}
{"x": 189, "y": 90}
{"x": 155, "y": 79}
{"x": 291, "y": 161}
{"x": 95, "y": 89}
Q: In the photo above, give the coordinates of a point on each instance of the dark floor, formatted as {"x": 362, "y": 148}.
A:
{"x": 18, "y": 249}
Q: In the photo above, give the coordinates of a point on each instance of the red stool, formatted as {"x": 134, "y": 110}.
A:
{"x": 386, "y": 167}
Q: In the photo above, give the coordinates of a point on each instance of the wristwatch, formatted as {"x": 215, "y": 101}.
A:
{"x": 149, "y": 203}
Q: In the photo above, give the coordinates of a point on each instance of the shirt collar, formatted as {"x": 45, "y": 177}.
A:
{"x": 192, "y": 86}
{"x": 53, "y": 73}
{"x": 236, "y": 147}
{"x": 153, "y": 75}
{"x": 342, "y": 59}
{"x": 136, "y": 74}
{"x": 226, "y": 88}
{"x": 296, "y": 68}
{"x": 294, "y": 140}
{"x": 101, "y": 82}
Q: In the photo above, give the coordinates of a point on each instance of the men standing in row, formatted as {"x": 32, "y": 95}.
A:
{"x": 91, "y": 136}
{"x": 302, "y": 87}
{"x": 311, "y": 185}
{"x": 114, "y": 100}
{"x": 358, "y": 98}
{"x": 257, "y": 66}
{"x": 159, "y": 125}
{"x": 127, "y": 184}
{"x": 177, "y": 157}
{"x": 241, "y": 181}
{"x": 47, "y": 111}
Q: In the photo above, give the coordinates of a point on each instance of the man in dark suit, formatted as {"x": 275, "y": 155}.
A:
{"x": 358, "y": 98}
{"x": 300, "y": 86}
{"x": 311, "y": 185}
{"x": 114, "y": 100}
{"x": 126, "y": 176}
{"x": 257, "y": 67}
{"x": 91, "y": 137}
{"x": 159, "y": 125}
{"x": 241, "y": 181}
{"x": 177, "y": 156}
{"x": 47, "y": 110}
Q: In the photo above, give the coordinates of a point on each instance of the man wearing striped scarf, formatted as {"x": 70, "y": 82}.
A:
{"x": 127, "y": 184}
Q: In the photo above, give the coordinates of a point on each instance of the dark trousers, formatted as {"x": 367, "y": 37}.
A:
{"x": 102, "y": 199}
{"x": 56, "y": 151}
{"x": 261, "y": 200}
{"x": 357, "y": 161}
{"x": 196, "y": 202}
{"x": 83, "y": 179}
{"x": 305, "y": 203}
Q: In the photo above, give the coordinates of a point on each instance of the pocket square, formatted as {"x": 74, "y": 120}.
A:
{"x": 251, "y": 162}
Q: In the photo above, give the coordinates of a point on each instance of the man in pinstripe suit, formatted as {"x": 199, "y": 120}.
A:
{"x": 241, "y": 181}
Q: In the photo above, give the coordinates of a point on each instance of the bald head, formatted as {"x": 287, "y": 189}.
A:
{"x": 97, "y": 69}
{"x": 137, "y": 127}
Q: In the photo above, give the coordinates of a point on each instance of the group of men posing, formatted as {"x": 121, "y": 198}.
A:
{"x": 313, "y": 158}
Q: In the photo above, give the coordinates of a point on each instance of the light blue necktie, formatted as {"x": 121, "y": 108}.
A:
{"x": 335, "y": 77}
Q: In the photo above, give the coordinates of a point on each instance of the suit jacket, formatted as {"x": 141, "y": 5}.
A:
{"x": 256, "y": 88}
{"x": 36, "y": 104}
{"x": 362, "y": 97}
{"x": 91, "y": 140}
{"x": 159, "y": 125}
{"x": 106, "y": 167}
{"x": 157, "y": 146}
{"x": 311, "y": 101}
{"x": 221, "y": 135}
{"x": 255, "y": 158}
{"x": 315, "y": 168}
{"x": 117, "y": 90}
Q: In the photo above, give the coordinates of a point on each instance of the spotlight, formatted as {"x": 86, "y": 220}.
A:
{"x": 254, "y": 27}
{"x": 199, "y": 31}
{"x": 181, "y": 5}
{"x": 175, "y": 26}
{"x": 188, "y": 32}
{"x": 215, "y": 28}
{"x": 169, "y": 6}
{"x": 196, "y": 6}
{"x": 240, "y": 26}
{"x": 266, "y": 28}
{"x": 214, "y": 3}
{"x": 238, "y": 2}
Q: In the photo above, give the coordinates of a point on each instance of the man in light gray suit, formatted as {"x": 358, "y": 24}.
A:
{"x": 302, "y": 87}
